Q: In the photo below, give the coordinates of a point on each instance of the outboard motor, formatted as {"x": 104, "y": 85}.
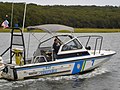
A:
{"x": 18, "y": 56}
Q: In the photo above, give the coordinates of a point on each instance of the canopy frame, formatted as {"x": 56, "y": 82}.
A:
{"x": 51, "y": 28}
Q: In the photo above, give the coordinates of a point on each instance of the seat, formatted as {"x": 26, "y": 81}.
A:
{"x": 39, "y": 59}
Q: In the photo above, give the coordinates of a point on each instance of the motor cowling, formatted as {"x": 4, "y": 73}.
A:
{"x": 18, "y": 56}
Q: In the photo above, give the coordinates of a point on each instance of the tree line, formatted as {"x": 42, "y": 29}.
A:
{"x": 75, "y": 16}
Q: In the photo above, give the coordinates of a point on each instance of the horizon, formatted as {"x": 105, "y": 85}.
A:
{"x": 68, "y": 3}
{"x": 62, "y": 4}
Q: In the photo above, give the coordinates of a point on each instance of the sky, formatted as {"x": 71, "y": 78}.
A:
{"x": 70, "y": 2}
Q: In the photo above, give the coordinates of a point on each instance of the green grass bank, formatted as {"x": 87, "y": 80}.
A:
{"x": 77, "y": 30}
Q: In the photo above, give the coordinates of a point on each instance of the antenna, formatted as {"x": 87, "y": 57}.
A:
{"x": 24, "y": 17}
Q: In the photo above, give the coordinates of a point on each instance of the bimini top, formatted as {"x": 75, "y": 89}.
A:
{"x": 51, "y": 28}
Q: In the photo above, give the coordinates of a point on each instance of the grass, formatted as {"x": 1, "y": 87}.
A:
{"x": 95, "y": 30}
{"x": 77, "y": 30}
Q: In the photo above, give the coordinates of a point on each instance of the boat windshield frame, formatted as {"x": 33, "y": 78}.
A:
{"x": 70, "y": 36}
{"x": 97, "y": 38}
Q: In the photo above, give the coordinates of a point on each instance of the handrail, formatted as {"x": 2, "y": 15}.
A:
{"x": 5, "y": 51}
{"x": 11, "y": 44}
{"x": 96, "y": 42}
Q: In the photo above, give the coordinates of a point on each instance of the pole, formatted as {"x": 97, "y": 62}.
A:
{"x": 24, "y": 17}
{"x": 28, "y": 45}
{"x": 12, "y": 15}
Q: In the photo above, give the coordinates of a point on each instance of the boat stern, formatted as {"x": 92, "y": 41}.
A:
{"x": 9, "y": 72}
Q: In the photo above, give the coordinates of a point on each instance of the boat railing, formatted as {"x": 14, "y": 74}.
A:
{"x": 97, "y": 38}
{"x": 17, "y": 41}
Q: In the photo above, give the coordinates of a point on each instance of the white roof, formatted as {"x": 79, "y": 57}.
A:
{"x": 51, "y": 28}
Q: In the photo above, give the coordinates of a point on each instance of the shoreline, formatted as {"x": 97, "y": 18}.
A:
{"x": 77, "y": 30}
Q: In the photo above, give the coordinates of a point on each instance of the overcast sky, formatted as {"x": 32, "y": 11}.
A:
{"x": 70, "y": 2}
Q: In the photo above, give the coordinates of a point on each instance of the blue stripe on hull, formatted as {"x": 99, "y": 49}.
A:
{"x": 45, "y": 66}
{"x": 93, "y": 62}
{"x": 77, "y": 67}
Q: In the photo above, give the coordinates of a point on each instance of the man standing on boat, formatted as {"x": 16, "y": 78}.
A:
{"x": 56, "y": 46}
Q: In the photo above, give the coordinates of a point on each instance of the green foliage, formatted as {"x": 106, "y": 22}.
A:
{"x": 75, "y": 16}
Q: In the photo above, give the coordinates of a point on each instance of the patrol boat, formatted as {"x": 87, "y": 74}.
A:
{"x": 72, "y": 56}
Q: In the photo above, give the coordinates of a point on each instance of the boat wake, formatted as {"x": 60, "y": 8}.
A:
{"x": 23, "y": 83}
{"x": 94, "y": 73}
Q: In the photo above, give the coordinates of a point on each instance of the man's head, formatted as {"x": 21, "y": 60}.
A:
{"x": 56, "y": 40}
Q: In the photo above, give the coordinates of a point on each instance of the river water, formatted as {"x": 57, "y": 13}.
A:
{"x": 106, "y": 77}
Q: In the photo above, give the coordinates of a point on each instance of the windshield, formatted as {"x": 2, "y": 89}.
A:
{"x": 72, "y": 45}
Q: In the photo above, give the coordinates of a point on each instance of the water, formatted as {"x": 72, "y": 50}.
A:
{"x": 106, "y": 77}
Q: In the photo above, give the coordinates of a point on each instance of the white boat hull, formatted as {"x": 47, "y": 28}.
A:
{"x": 56, "y": 68}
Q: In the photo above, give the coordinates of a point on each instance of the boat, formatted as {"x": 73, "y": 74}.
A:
{"x": 72, "y": 57}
